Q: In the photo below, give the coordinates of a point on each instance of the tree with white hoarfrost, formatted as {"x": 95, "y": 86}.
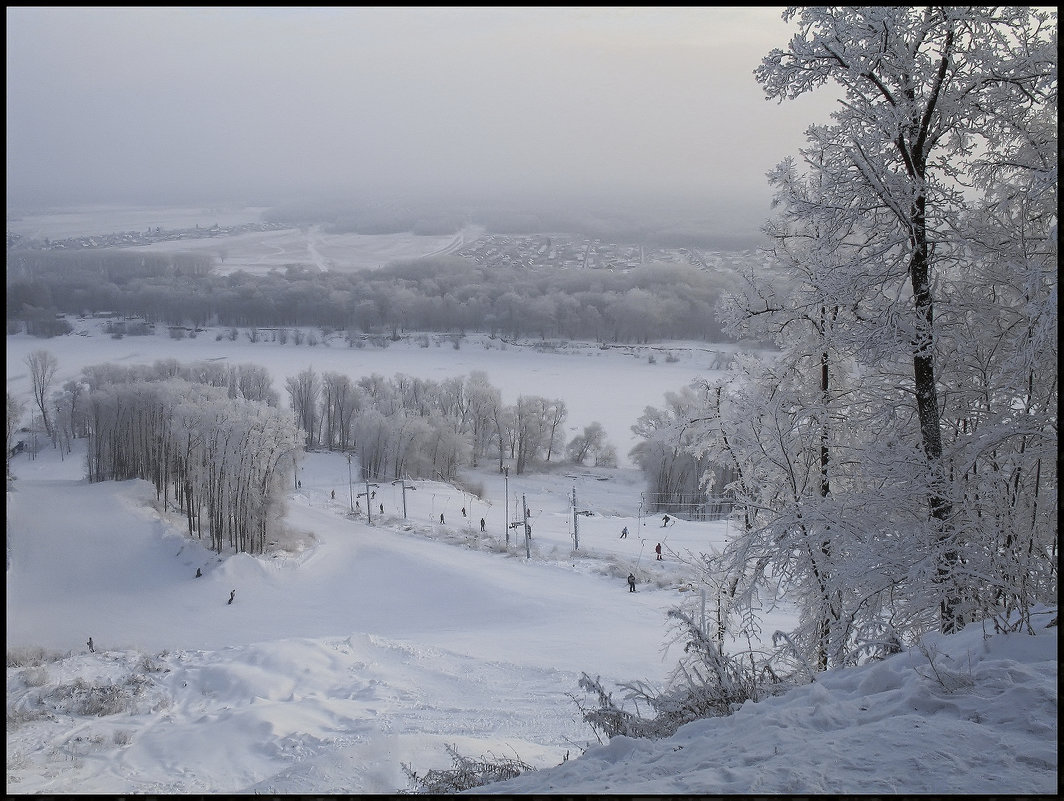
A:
{"x": 43, "y": 364}
{"x": 590, "y": 443}
{"x": 304, "y": 392}
{"x": 893, "y": 462}
{"x": 15, "y": 408}
{"x": 221, "y": 461}
{"x": 935, "y": 99}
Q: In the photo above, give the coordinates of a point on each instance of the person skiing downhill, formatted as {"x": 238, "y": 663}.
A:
{"x": 631, "y": 582}
{"x": 664, "y": 521}
{"x": 624, "y": 533}
{"x": 232, "y": 595}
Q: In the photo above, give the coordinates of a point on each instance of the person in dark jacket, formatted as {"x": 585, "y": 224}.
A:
{"x": 631, "y": 582}
{"x": 664, "y": 521}
{"x": 624, "y": 533}
{"x": 657, "y": 550}
{"x": 92, "y": 648}
{"x": 232, "y": 595}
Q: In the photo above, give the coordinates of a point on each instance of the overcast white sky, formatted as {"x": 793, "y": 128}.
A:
{"x": 115, "y": 104}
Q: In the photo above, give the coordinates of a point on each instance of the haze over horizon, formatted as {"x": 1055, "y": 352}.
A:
{"x": 196, "y": 104}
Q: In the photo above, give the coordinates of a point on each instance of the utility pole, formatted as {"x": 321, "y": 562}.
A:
{"x": 369, "y": 506}
{"x": 576, "y": 523}
{"x": 506, "y": 495}
{"x": 528, "y": 529}
{"x": 405, "y": 488}
{"x": 350, "y": 485}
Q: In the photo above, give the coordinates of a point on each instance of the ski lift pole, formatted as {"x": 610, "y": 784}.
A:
{"x": 405, "y": 488}
{"x": 576, "y": 526}
{"x": 506, "y": 494}
{"x": 350, "y": 490}
{"x": 369, "y": 506}
{"x": 528, "y": 529}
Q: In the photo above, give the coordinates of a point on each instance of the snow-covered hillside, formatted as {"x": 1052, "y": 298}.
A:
{"x": 370, "y": 646}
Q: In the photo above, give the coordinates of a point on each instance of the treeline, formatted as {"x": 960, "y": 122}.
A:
{"x": 406, "y": 427}
{"x": 214, "y": 443}
{"x": 445, "y": 294}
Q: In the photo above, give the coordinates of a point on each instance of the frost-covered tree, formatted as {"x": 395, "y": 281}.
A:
{"x": 304, "y": 391}
{"x": 666, "y": 453}
{"x": 15, "y": 408}
{"x": 586, "y": 444}
{"x": 43, "y": 364}
{"x": 221, "y": 460}
{"x": 934, "y": 100}
{"x": 483, "y": 401}
{"x": 533, "y": 417}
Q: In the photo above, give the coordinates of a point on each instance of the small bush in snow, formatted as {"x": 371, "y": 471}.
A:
{"x": 465, "y": 773}
{"x": 30, "y": 656}
{"x": 706, "y": 683}
{"x": 35, "y": 676}
{"x": 122, "y": 737}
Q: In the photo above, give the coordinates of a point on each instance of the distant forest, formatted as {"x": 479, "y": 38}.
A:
{"x": 443, "y": 294}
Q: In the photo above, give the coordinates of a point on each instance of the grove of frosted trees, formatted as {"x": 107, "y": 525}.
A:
{"x": 444, "y": 294}
{"x": 213, "y": 441}
{"x": 209, "y": 437}
{"x": 407, "y": 427}
{"x": 894, "y": 461}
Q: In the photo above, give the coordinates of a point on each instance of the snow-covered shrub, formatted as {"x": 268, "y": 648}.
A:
{"x": 31, "y": 656}
{"x": 36, "y": 676}
{"x": 706, "y": 683}
{"x": 465, "y": 773}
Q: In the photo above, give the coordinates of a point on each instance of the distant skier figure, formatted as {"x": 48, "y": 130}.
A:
{"x": 382, "y": 508}
{"x": 624, "y": 533}
{"x": 664, "y": 521}
{"x": 232, "y": 595}
{"x": 92, "y": 649}
{"x": 631, "y": 582}
{"x": 333, "y": 493}
{"x": 441, "y": 518}
{"x": 482, "y": 524}
{"x": 657, "y": 550}
{"x": 463, "y": 512}
{"x": 199, "y": 573}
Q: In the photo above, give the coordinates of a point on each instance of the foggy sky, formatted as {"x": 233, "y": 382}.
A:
{"x": 137, "y": 104}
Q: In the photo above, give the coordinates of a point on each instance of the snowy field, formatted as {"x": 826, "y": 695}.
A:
{"x": 255, "y": 252}
{"x": 372, "y": 643}
{"x": 258, "y": 252}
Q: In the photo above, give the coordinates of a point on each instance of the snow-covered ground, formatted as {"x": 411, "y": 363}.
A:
{"x": 258, "y": 252}
{"x": 367, "y": 645}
